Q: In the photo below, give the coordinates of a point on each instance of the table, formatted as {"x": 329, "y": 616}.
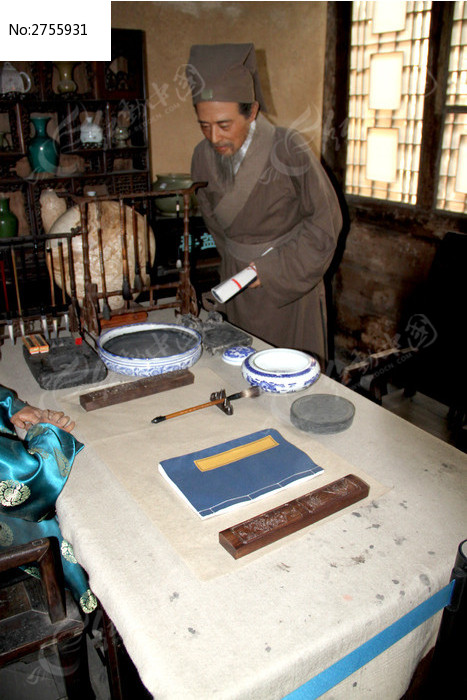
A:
{"x": 201, "y": 625}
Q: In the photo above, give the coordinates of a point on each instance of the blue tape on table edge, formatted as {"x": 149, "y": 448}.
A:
{"x": 336, "y": 673}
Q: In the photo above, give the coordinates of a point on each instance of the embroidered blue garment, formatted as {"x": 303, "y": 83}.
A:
{"x": 33, "y": 473}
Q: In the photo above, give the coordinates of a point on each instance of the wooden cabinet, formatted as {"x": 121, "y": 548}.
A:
{"x": 43, "y": 289}
{"x": 112, "y": 93}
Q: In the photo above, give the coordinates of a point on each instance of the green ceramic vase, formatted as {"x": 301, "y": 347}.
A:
{"x": 8, "y": 220}
{"x": 43, "y": 151}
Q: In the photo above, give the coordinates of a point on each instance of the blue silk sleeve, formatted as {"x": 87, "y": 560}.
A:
{"x": 33, "y": 472}
{"x": 9, "y": 405}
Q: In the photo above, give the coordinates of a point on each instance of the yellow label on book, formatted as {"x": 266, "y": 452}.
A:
{"x": 236, "y": 453}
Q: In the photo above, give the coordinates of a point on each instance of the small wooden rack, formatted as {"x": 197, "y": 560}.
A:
{"x": 91, "y": 313}
{"x": 185, "y": 296}
{"x": 28, "y": 301}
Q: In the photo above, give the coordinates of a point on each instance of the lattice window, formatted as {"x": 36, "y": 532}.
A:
{"x": 452, "y": 184}
{"x": 407, "y": 47}
{"x": 388, "y": 83}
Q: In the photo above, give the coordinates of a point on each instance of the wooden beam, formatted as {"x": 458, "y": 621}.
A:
{"x": 336, "y": 89}
{"x": 435, "y": 102}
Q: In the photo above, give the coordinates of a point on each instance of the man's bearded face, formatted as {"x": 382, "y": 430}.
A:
{"x": 223, "y": 125}
{"x": 226, "y": 129}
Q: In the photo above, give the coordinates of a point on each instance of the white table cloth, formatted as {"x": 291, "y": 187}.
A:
{"x": 201, "y": 625}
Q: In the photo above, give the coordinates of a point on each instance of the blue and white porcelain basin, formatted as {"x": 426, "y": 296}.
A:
{"x": 281, "y": 370}
{"x": 148, "y": 349}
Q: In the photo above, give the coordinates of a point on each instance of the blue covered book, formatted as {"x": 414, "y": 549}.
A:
{"x": 238, "y": 471}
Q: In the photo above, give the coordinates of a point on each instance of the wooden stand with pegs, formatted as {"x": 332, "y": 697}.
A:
{"x": 185, "y": 301}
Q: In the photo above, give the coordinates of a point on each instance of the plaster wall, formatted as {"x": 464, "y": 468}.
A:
{"x": 289, "y": 38}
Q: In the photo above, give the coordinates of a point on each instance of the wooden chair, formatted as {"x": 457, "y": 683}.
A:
{"x": 38, "y": 614}
{"x": 371, "y": 376}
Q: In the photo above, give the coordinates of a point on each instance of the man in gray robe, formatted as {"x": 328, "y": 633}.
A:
{"x": 268, "y": 202}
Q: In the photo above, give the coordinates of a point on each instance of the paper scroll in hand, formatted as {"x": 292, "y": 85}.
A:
{"x": 237, "y": 283}
{"x": 226, "y": 290}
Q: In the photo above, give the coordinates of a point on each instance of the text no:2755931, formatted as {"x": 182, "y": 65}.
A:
{"x": 48, "y": 29}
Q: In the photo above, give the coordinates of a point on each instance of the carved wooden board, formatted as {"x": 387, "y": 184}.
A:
{"x": 276, "y": 523}
{"x": 135, "y": 390}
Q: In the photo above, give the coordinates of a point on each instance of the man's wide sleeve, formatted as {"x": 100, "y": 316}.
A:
{"x": 295, "y": 268}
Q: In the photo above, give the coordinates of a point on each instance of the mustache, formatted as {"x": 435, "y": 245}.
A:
{"x": 222, "y": 144}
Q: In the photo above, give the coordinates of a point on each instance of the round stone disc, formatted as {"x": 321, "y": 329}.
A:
{"x": 322, "y": 413}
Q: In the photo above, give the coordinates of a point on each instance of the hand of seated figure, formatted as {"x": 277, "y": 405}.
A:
{"x": 29, "y": 415}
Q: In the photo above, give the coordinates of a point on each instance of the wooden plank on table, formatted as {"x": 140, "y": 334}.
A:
{"x": 276, "y": 523}
{"x": 135, "y": 390}
{"x": 124, "y": 319}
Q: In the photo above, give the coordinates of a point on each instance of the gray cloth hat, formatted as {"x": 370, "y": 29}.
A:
{"x": 224, "y": 73}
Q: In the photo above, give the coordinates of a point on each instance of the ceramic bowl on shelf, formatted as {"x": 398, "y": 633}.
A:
{"x": 281, "y": 370}
{"x": 170, "y": 204}
{"x": 148, "y": 349}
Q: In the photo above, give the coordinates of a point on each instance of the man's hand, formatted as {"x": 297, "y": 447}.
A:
{"x": 29, "y": 415}
{"x": 257, "y": 281}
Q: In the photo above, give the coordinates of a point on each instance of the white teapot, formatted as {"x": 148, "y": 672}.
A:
{"x": 11, "y": 80}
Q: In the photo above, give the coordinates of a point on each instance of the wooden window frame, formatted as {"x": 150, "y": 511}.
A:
{"x": 422, "y": 218}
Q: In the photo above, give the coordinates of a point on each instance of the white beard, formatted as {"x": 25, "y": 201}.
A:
{"x": 225, "y": 169}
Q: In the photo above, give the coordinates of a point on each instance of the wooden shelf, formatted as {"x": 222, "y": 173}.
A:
{"x": 116, "y": 89}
